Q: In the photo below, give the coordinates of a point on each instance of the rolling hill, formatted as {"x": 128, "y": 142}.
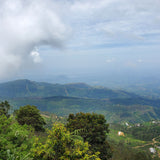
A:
{"x": 116, "y": 105}
{"x": 63, "y": 106}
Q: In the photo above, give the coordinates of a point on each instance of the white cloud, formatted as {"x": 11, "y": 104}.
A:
{"x": 116, "y": 21}
{"x": 36, "y": 56}
{"x": 24, "y": 25}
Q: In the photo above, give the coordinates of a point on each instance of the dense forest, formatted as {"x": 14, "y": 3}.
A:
{"x": 26, "y": 135}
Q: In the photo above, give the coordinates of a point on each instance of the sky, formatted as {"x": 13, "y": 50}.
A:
{"x": 41, "y": 40}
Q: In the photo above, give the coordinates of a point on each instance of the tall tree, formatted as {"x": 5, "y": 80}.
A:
{"x": 93, "y": 129}
{"x": 30, "y": 115}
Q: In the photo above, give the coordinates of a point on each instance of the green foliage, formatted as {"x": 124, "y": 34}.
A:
{"x": 51, "y": 118}
{"x": 30, "y": 115}
{"x": 130, "y": 148}
{"x": 141, "y": 155}
{"x": 93, "y": 129}
{"x": 4, "y": 108}
{"x": 113, "y": 111}
{"x": 15, "y": 140}
{"x": 144, "y": 132}
{"x": 61, "y": 146}
{"x": 16, "y": 143}
{"x": 123, "y": 152}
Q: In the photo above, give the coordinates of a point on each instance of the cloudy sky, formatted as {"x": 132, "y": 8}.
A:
{"x": 42, "y": 39}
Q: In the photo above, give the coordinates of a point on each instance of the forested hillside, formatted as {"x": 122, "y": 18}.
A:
{"x": 116, "y": 105}
{"x": 113, "y": 112}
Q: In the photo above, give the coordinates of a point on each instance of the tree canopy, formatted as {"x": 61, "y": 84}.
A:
{"x": 93, "y": 129}
{"x": 30, "y": 115}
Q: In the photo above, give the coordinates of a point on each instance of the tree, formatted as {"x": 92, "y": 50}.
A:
{"x": 4, "y": 108}
{"x": 93, "y": 129}
{"x": 61, "y": 146}
{"x": 15, "y": 140}
{"x": 30, "y": 115}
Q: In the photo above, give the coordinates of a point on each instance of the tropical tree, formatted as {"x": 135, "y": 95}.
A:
{"x": 93, "y": 129}
{"x": 30, "y": 115}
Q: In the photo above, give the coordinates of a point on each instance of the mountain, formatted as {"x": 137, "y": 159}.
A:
{"x": 63, "y": 99}
{"x": 27, "y": 88}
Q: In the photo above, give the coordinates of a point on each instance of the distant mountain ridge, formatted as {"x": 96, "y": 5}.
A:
{"x": 62, "y": 99}
{"x": 27, "y": 88}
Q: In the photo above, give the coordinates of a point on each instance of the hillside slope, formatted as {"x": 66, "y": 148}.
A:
{"x": 27, "y": 88}
{"x": 116, "y": 105}
{"x": 63, "y": 106}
